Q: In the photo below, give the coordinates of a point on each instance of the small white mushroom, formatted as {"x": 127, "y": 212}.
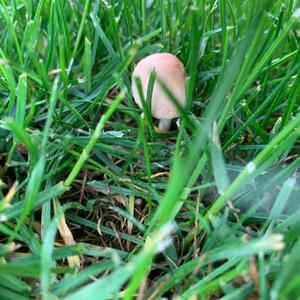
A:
{"x": 169, "y": 70}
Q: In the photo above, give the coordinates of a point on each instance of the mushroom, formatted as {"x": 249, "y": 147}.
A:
{"x": 169, "y": 70}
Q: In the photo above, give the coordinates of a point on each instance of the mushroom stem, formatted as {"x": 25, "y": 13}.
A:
{"x": 164, "y": 125}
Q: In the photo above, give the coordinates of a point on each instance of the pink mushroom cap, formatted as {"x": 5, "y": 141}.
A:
{"x": 170, "y": 70}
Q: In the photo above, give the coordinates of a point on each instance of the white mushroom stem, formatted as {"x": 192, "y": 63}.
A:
{"x": 164, "y": 125}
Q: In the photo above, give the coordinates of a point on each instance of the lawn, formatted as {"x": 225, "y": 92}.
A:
{"x": 96, "y": 203}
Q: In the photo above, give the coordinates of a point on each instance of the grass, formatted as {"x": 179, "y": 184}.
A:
{"x": 95, "y": 204}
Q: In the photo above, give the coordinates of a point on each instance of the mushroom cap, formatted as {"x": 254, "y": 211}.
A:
{"x": 170, "y": 70}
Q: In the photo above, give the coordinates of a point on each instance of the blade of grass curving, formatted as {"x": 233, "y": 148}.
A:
{"x": 42, "y": 197}
{"x": 33, "y": 29}
{"x": 112, "y": 282}
{"x": 210, "y": 282}
{"x": 146, "y": 105}
{"x": 36, "y": 175}
{"x": 7, "y": 72}
{"x": 263, "y": 61}
{"x": 21, "y": 135}
{"x": 293, "y": 100}
{"x": 261, "y": 108}
{"x": 163, "y": 23}
{"x": 251, "y": 167}
{"x": 46, "y": 261}
{"x": 280, "y": 288}
{"x": 89, "y": 147}
{"x": 223, "y": 12}
{"x": 111, "y": 82}
{"x": 105, "y": 39}
{"x": 11, "y": 27}
{"x": 63, "y": 30}
{"x": 115, "y": 32}
{"x": 104, "y": 229}
{"x": 280, "y": 202}
{"x": 15, "y": 284}
{"x": 21, "y": 100}
{"x": 7, "y": 294}
{"x": 218, "y": 164}
{"x": 80, "y": 32}
{"x": 75, "y": 281}
{"x": 87, "y": 64}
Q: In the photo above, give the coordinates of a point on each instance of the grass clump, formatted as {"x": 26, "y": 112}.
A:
{"x": 94, "y": 204}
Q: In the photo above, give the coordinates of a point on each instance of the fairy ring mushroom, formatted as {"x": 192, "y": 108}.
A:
{"x": 169, "y": 70}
